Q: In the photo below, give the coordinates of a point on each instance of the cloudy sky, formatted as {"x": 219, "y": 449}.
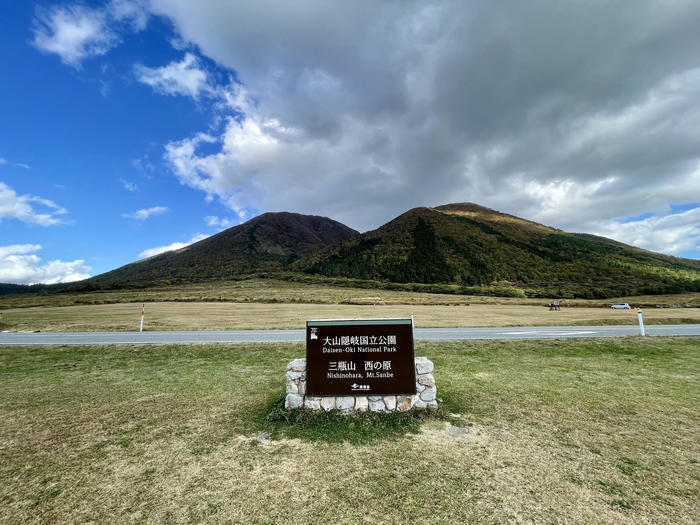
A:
{"x": 130, "y": 127}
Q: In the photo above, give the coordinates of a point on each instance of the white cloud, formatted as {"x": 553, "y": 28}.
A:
{"x": 76, "y": 32}
{"x": 134, "y": 12}
{"x": 145, "y": 166}
{"x": 223, "y": 222}
{"x": 16, "y": 164}
{"x": 146, "y": 213}
{"x": 18, "y": 249}
{"x": 218, "y": 222}
{"x": 20, "y": 265}
{"x": 150, "y": 252}
{"x": 177, "y": 78}
{"x": 22, "y": 207}
{"x": 129, "y": 186}
{"x": 673, "y": 233}
{"x": 73, "y": 33}
{"x": 272, "y": 167}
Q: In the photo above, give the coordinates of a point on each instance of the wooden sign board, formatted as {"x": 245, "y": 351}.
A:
{"x": 360, "y": 357}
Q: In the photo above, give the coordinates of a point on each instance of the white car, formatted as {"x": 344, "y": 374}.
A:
{"x": 621, "y": 306}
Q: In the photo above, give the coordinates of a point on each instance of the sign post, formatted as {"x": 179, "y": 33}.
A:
{"x": 143, "y": 312}
{"x": 641, "y": 322}
{"x": 362, "y": 357}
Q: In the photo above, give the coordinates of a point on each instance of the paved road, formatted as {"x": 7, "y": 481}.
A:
{"x": 272, "y": 336}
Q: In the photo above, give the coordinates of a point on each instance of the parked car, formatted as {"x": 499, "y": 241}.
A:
{"x": 621, "y": 306}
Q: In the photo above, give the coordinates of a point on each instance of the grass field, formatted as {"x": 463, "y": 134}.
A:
{"x": 277, "y": 291}
{"x": 267, "y": 303}
{"x": 594, "y": 431}
{"x": 225, "y": 315}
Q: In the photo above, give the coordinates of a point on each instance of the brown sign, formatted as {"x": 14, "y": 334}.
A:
{"x": 360, "y": 357}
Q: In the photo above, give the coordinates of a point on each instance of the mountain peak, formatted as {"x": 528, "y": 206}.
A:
{"x": 476, "y": 211}
{"x": 467, "y": 207}
{"x": 470, "y": 244}
{"x": 268, "y": 242}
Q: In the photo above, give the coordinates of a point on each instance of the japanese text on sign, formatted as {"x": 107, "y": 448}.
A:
{"x": 370, "y": 356}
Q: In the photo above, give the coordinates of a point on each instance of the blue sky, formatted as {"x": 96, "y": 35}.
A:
{"x": 90, "y": 140}
{"x": 130, "y": 126}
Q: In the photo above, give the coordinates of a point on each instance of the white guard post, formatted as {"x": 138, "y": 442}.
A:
{"x": 641, "y": 322}
{"x": 143, "y": 312}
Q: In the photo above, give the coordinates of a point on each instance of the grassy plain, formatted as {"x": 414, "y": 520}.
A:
{"x": 228, "y": 316}
{"x": 261, "y": 303}
{"x": 277, "y": 291}
{"x": 587, "y": 431}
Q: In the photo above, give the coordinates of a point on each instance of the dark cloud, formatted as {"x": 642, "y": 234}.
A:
{"x": 571, "y": 113}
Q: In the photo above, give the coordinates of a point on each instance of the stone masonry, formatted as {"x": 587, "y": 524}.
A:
{"x": 425, "y": 397}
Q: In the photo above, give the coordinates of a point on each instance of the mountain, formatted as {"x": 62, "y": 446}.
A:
{"x": 9, "y": 289}
{"x": 471, "y": 245}
{"x": 269, "y": 242}
{"x": 478, "y": 249}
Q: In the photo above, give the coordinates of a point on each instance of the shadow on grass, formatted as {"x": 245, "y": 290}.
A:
{"x": 335, "y": 427}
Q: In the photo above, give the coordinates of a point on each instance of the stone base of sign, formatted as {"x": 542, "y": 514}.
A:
{"x": 425, "y": 397}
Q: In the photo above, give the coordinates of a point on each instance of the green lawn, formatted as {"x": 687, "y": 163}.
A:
{"x": 587, "y": 431}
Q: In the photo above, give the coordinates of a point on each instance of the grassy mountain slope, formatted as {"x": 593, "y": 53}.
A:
{"x": 472, "y": 245}
{"x": 458, "y": 244}
{"x": 10, "y": 289}
{"x": 269, "y": 242}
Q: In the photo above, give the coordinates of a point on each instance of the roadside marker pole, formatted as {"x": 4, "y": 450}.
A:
{"x": 143, "y": 312}
{"x": 641, "y": 322}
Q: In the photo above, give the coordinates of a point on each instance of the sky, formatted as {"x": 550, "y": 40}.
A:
{"x": 130, "y": 127}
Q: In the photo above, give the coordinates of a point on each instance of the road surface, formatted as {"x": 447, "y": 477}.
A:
{"x": 277, "y": 336}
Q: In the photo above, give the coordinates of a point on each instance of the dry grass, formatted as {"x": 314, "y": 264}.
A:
{"x": 602, "y": 431}
{"x": 266, "y": 303}
{"x": 275, "y": 291}
{"x": 225, "y": 316}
